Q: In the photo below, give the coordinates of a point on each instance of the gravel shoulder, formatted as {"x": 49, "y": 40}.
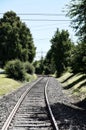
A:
{"x": 68, "y": 115}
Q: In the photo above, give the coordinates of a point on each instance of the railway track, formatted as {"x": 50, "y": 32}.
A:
{"x": 32, "y": 111}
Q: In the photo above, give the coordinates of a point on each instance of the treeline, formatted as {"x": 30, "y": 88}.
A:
{"x": 64, "y": 54}
{"x": 60, "y": 56}
{"x": 17, "y": 50}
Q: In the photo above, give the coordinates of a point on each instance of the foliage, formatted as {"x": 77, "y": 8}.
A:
{"x": 29, "y": 68}
{"x": 47, "y": 70}
{"x": 30, "y": 78}
{"x": 78, "y": 59}
{"x": 77, "y": 12}
{"x": 16, "y": 41}
{"x": 39, "y": 66}
{"x": 61, "y": 49}
{"x": 49, "y": 65}
{"x": 15, "y": 69}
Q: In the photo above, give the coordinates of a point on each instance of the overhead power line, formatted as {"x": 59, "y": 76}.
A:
{"x": 45, "y": 20}
{"x": 45, "y": 25}
{"x": 40, "y": 14}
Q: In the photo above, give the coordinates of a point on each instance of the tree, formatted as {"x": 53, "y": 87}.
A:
{"x": 16, "y": 41}
{"x": 61, "y": 49}
{"x": 40, "y": 66}
{"x": 78, "y": 59}
{"x": 49, "y": 65}
{"x": 77, "y": 12}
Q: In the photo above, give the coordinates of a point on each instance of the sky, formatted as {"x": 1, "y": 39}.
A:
{"x": 42, "y": 31}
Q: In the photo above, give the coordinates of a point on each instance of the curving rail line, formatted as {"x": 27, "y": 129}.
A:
{"x": 25, "y": 107}
{"x": 54, "y": 123}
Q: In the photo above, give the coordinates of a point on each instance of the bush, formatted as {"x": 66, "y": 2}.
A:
{"x": 15, "y": 69}
{"x": 29, "y": 68}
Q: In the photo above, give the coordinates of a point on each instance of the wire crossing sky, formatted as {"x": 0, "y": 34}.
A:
{"x": 43, "y": 14}
{"x": 42, "y": 17}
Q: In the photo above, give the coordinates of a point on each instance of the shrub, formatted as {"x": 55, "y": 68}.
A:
{"x": 29, "y": 68}
{"x": 15, "y": 69}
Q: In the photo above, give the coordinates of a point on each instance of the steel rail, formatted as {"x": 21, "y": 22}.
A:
{"x": 10, "y": 117}
{"x": 49, "y": 108}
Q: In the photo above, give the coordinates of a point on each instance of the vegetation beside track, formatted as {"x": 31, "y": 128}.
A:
{"x": 8, "y": 85}
{"x": 75, "y": 84}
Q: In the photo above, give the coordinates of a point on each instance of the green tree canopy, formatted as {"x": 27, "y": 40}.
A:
{"x": 61, "y": 49}
{"x": 49, "y": 65}
{"x": 77, "y": 12}
{"x": 16, "y": 41}
{"x": 78, "y": 58}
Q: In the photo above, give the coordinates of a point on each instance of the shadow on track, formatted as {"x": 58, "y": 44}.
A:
{"x": 69, "y": 118}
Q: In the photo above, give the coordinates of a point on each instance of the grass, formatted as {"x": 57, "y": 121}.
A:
{"x": 76, "y": 84}
{"x": 30, "y": 78}
{"x": 8, "y": 85}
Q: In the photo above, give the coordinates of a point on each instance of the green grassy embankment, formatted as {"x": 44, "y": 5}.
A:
{"x": 8, "y": 85}
{"x": 74, "y": 84}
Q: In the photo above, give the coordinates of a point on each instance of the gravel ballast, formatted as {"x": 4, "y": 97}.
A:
{"x": 67, "y": 115}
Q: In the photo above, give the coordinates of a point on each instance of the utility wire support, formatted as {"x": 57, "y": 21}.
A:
{"x": 41, "y": 54}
